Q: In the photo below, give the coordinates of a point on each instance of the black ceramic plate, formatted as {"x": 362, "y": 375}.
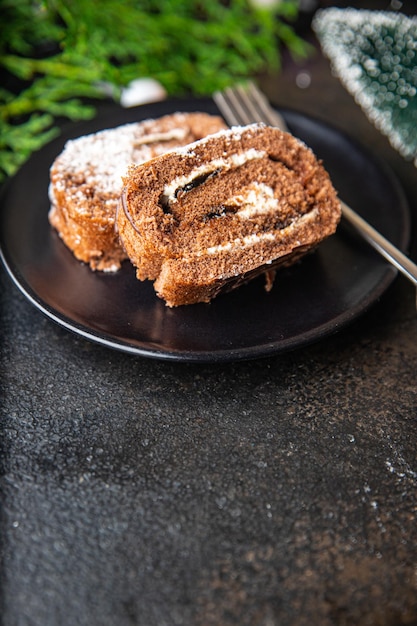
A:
{"x": 320, "y": 295}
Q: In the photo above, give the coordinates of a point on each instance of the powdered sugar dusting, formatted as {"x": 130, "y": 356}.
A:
{"x": 230, "y": 134}
{"x": 100, "y": 160}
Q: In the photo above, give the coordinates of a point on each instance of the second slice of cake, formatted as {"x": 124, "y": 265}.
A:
{"x": 205, "y": 218}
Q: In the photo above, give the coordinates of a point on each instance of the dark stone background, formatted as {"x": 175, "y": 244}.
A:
{"x": 281, "y": 491}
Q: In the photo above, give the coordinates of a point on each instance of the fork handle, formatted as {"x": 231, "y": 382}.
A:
{"x": 382, "y": 245}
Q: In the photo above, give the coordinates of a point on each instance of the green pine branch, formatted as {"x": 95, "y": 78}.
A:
{"x": 64, "y": 50}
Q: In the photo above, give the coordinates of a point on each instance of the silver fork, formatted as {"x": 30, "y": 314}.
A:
{"x": 245, "y": 104}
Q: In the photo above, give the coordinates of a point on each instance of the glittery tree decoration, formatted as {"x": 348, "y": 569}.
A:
{"x": 374, "y": 54}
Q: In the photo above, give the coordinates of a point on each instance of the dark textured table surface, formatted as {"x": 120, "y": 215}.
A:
{"x": 281, "y": 491}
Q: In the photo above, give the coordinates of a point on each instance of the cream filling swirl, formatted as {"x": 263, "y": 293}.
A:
{"x": 251, "y": 240}
{"x": 223, "y": 164}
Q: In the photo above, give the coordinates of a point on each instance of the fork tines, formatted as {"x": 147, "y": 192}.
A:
{"x": 245, "y": 104}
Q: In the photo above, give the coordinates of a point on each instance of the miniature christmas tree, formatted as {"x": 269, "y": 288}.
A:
{"x": 374, "y": 54}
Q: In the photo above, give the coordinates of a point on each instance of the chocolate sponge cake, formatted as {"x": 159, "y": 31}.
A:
{"x": 86, "y": 180}
{"x": 211, "y": 215}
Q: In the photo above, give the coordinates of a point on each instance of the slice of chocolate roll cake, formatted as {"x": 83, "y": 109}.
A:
{"x": 86, "y": 180}
{"x": 207, "y": 217}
